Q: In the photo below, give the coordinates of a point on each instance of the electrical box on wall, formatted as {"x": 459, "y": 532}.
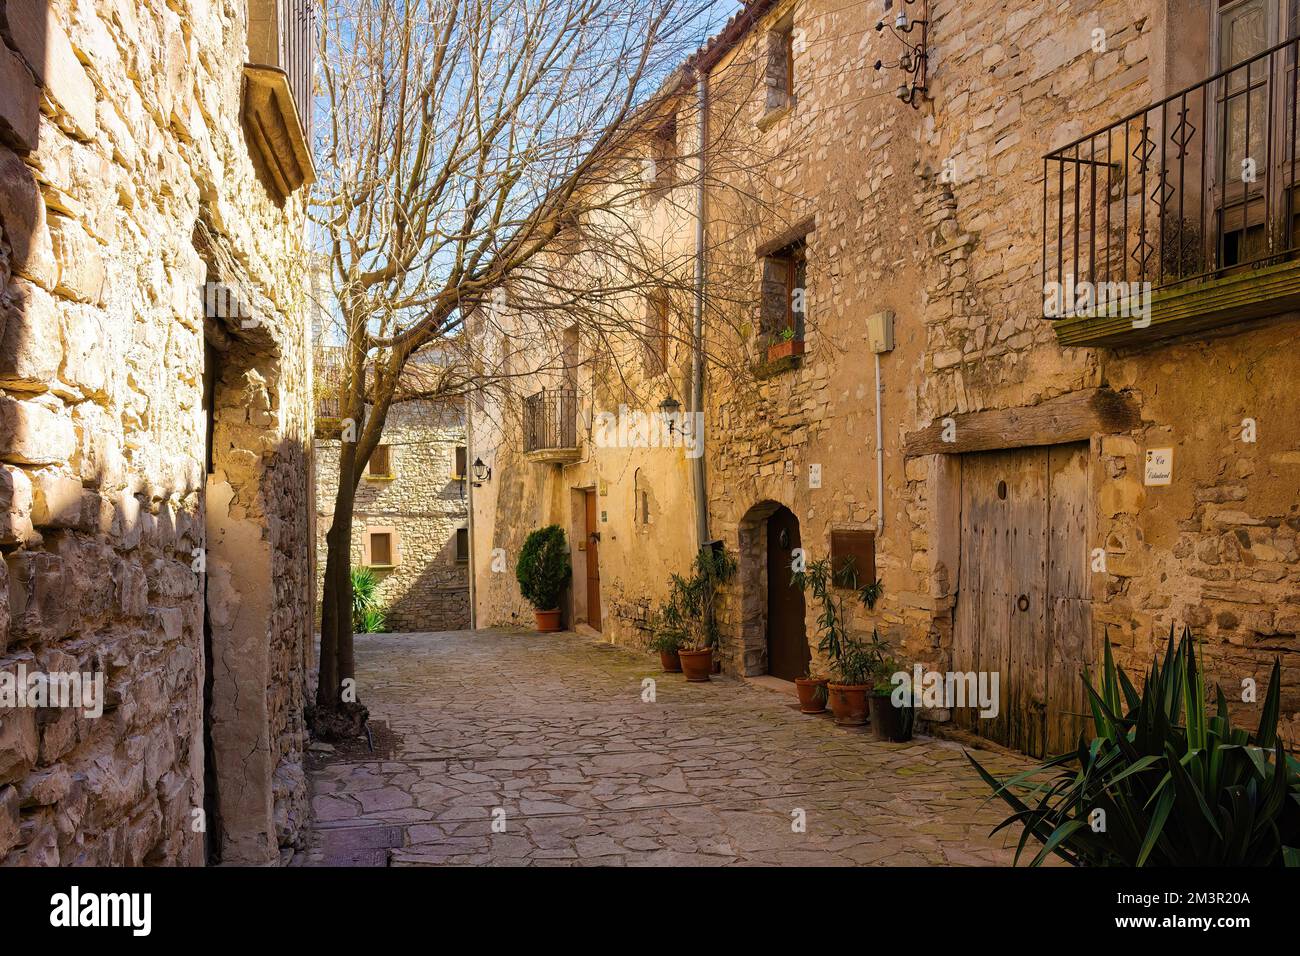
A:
{"x": 880, "y": 331}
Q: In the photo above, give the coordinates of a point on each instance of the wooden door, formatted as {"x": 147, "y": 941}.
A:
{"x": 593, "y": 562}
{"x": 1022, "y": 605}
{"x": 787, "y": 641}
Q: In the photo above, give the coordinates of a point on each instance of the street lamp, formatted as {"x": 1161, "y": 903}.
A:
{"x": 669, "y": 408}
{"x": 482, "y": 472}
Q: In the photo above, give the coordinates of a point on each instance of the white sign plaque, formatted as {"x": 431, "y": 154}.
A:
{"x": 1160, "y": 466}
{"x": 814, "y": 476}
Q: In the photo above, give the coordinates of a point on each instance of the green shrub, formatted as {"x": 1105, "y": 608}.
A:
{"x": 543, "y": 568}
{"x": 365, "y": 601}
{"x": 373, "y": 621}
{"x": 689, "y": 615}
{"x": 1178, "y": 787}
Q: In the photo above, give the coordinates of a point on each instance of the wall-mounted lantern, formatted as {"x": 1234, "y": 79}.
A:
{"x": 669, "y": 408}
{"x": 482, "y": 472}
{"x": 914, "y": 60}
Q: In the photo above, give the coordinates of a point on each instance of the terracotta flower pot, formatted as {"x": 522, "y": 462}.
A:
{"x": 547, "y": 621}
{"x": 849, "y": 703}
{"x": 697, "y": 665}
{"x": 887, "y": 720}
{"x": 671, "y": 662}
{"x": 779, "y": 350}
{"x": 812, "y": 694}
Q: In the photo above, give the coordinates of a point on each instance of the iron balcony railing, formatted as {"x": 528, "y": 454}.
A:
{"x": 551, "y": 419}
{"x": 297, "y": 52}
{"x": 1190, "y": 188}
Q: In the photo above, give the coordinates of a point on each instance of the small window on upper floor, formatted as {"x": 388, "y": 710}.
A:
{"x": 663, "y": 156}
{"x": 785, "y": 292}
{"x": 381, "y": 462}
{"x": 779, "y": 74}
{"x": 462, "y": 544}
{"x": 460, "y": 466}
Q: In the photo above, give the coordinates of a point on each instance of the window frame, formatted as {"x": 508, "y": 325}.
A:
{"x": 394, "y": 546}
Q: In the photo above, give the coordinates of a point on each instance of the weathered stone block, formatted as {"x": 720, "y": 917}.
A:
{"x": 31, "y": 434}
{"x": 81, "y": 265}
{"x": 19, "y": 203}
{"x": 19, "y": 743}
{"x": 39, "y": 598}
{"x": 56, "y": 500}
{"x": 8, "y": 819}
{"x": 15, "y": 508}
{"x": 30, "y": 345}
{"x": 85, "y": 351}
{"x": 69, "y": 94}
{"x": 20, "y": 98}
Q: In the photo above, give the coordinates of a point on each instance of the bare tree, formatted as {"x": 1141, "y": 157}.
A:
{"x": 471, "y": 146}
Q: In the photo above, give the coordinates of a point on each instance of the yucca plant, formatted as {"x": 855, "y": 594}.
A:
{"x": 1175, "y": 786}
{"x": 365, "y": 601}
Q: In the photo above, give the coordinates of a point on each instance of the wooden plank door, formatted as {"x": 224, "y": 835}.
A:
{"x": 1022, "y": 606}
{"x": 1069, "y": 594}
{"x": 787, "y": 640}
{"x": 593, "y": 562}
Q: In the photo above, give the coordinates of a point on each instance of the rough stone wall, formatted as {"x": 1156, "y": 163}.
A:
{"x": 424, "y": 503}
{"x": 121, "y": 133}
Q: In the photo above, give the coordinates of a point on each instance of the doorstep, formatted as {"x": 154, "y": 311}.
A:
{"x": 768, "y": 682}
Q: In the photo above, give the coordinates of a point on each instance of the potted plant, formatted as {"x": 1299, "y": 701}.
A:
{"x": 892, "y": 710}
{"x": 784, "y": 345}
{"x": 852, "y": 669}
{"x": 812, "y": 693}
{"x": 543, "y": 570}
{"x": 851, "y": 662}
{"x": 690, "y": 611}
{"x": 667, "y": 642}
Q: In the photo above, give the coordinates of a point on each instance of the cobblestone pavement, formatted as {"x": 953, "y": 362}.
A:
{"x": 553, "y": 731}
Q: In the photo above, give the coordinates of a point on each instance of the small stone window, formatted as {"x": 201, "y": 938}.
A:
{"x": 663, "y": 156}
{"x": 381, "y": 463}
{"x": 460, "y": 467}
{"x": 381, "y": 548}
{"x": 462, "y": 545}
{"x": 778, "y": 76}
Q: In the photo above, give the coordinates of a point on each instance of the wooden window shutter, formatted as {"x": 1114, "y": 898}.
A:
{"x": 857, "y": 547}
{"x": 774, "y": 295}
{"x": 460, "y": 466}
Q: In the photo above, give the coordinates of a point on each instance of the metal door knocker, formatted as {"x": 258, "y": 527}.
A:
{"x": 1022, "y": 602}
{"x": 783, "y": 539}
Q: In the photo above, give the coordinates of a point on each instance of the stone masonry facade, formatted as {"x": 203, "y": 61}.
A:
{"x": 422, "y": 503}
{"x": 936, "y": 215}
{"x": 155, "y": 451}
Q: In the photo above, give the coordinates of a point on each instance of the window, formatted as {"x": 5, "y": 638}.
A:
{"x": 785, "y": 292}
{"x": 657, "y": 313}
{"x": 460, "y": 468}
{"x": 462, "y": 544}
{"x": 779, "y": 75}
{"x": 381, "y": 548}
{"x": 663, "y": 154}
{"x": 381, "y": 463}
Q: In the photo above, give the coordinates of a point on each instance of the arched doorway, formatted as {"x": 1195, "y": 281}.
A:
{"x": 787, "y": 642}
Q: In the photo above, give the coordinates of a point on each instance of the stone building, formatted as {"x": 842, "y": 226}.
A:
{"x": 155, "y": 428}
{"x": 411, "y": 519}
{"x": 1054, "y": 467}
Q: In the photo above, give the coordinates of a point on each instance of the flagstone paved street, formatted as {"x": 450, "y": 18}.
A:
{"x": 552, "y": 732}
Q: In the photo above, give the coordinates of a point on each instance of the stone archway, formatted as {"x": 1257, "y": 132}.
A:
{"x": 751, "y": 577}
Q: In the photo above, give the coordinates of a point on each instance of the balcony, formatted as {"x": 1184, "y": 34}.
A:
{"x": 277, "y": 104}
{"x": 551, "y": 426}
{"x": 1180, "y": 217}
